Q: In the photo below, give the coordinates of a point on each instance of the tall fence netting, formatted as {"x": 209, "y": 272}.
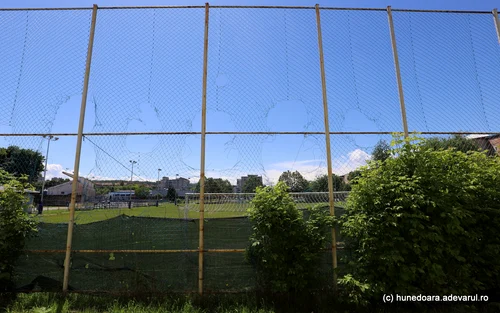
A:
{"x": 137, "y": 221}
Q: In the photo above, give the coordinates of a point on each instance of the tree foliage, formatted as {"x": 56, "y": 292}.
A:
{"x": 351, "y": 177}
{"x": 15, "y": 226}
{"x": 18, "y": 162}
{"x": 51, "y": 182}
{"x": 215, "y": 185}
{"x": 141, "y": 191}
{"x": 285, "y": 248}
{"x": 251, "y": 184}
{"x": 294, "y": 180}
{"x": 171, "y": 194}
{"x": 424, "y": 221}
{"x": 381, "y": 151}
{"x": 320, "y": 184}
{"x": 456, "y": 142}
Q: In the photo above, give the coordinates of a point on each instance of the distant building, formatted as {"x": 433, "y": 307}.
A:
{"x": 491, "y": 143}
{"x": 240, "y": 182}
{"x": 30, "y": 195}
{"x": 181, "y": 185}
{"x": 121, "y": 195}
{"x": 84, "y": 187}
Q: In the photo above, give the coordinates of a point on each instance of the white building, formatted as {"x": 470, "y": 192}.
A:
{"x": 240, "y": 182}
{"x": 121, "y": 195}
{"x": 181, "y": 185}
{"x": 84, "y": 187}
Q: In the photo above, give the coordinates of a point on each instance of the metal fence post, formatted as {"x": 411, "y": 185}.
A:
{"x": 201, "y": 245}
{"x": 328, "y": 151}
{"x": 78, "y": 151}
{"x": 398, "y": 72}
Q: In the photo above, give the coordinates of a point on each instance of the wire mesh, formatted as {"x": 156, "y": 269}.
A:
{"x": 449, "y": 67}
{"x": 137, "y": 219}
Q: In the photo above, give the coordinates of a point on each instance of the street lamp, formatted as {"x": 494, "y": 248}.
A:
{"x": 49, "y": 138}
{"x": 132, "y": 174}
{"x": 158, "y": 187}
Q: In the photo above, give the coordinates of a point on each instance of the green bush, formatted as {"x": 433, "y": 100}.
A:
{"x": 15, "y": 226}
{"x": 424, "y": 221}
{"x": 285, "y": 248}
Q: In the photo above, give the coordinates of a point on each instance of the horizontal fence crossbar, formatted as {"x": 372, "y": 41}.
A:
{"x": 147, "y": 251}
{"x": 240, "y": 133}
{"x": 138, "y": 251}
{"x": 249, "y": 7}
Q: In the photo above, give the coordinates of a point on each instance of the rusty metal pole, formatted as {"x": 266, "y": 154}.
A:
{"x": 328, "y": 150}
{"x": 398, "y": 72}
{"x": 497, "y": 23}
{"x": 78, "y": 151}
{"x": 201, "y": 245}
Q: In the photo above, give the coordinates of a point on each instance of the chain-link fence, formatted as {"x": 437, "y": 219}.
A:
{"x": 179, "y": 113}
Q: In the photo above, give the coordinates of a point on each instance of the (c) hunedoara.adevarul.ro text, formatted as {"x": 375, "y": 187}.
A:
{"x": 389, "y": 298}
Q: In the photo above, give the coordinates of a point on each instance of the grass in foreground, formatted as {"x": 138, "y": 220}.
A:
{"x": 235, "y": 303}
{"x": 48, "y": 302}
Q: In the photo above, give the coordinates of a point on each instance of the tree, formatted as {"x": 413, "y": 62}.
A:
{"x": 320, "y": 184}
{"x": 52, "y": 182}
{"x": 20, "y": 162}
{"x": 251, "y": 184}
{"x": 457, "y": 142}
{"x": 285, "y": 248}
{"x": 351, "y": 177}
{"x": 424, "y": 221}
{"x": 215, "y": 185}
{"x": 171, "y": 194}
{"x": 141, "y": 192}
{"x": 15, "y": 226}
{"x": 294, "y": 180}
{"x": 381, "y": 151}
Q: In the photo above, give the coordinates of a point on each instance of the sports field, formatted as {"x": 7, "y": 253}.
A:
{"x": 164, "y": 210}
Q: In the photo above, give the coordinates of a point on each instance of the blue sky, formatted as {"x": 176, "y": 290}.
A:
{"x": 263, "y": 76}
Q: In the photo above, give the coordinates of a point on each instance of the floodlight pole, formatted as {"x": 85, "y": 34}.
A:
{"x": 49, "y": 138}
{"x": 158, "y": 187}
{"x": 79, "y": 150}
{"x": 132, "y": 173}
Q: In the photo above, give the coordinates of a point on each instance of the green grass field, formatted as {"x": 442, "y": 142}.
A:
{"x": 165, "y": 210}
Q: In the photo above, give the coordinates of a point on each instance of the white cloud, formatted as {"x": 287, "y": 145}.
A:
{"x": 354, "y": 160}
{"x": 311, "y": 169}
{"x": 55, "y": 170}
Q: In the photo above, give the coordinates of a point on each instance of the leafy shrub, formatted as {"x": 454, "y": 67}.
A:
{"x": 424, "y": 221}
{"x": 15, "y": 226}
{"x": 285, "y": 248}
